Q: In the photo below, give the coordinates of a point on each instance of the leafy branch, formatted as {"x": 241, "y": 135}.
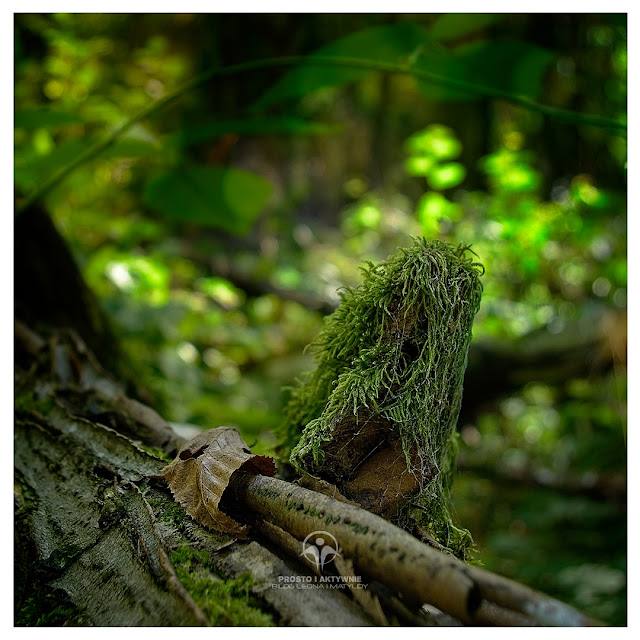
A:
{"x": 410, "y": 69}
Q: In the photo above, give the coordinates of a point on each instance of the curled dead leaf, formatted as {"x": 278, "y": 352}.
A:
{"x": 202, "y": 470}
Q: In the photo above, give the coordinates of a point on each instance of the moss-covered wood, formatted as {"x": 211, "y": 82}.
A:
{"x": 100, "y": 541}
{"x": 377, "y": 417}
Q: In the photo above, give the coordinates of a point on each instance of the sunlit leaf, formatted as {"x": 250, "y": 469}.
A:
{"x": 418, "y": 165}
{"x": 288, "y": 277}
{"x": 432, "y": 208}
{"x": 510, "y": 170}
{"x": 388, "y": 43}
{"x": 518, "y": 178}
{"x": 142, "y": 277}
{"x": 455, "y": 25}
{"x": 229, "y": 199}
{"x": 583, "y": 189}
{"x": 221, "y": 290}
{"x": 432, "y": 205}
{"x": 446, "y": 176}
{"x": 369, "y": 217}
{"x": 437, "y": 141}
{"x": 499, "y": 161}
{"x": 43, "y": 142}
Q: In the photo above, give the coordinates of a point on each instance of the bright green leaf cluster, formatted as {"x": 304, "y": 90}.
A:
{"x": 431, "y": 152}
{"x": 436, "y": 142}
{"x": 428, "y": 150}
{"x": 511, "y": 171}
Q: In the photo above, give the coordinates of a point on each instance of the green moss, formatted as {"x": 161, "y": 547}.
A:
{"x": 49, "y": 609}
{"x": 225, "y": 602}
{"x": 157, "y": 453}
{"x": 174, "y": 515}
{"x": 395, "y": 351}
{"x": 111, "y": 508}
{"x": 168, "y": 511}
{"x": 26, "y": 402}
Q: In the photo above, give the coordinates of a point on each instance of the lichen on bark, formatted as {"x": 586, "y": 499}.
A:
{"x": 377, "y": 416}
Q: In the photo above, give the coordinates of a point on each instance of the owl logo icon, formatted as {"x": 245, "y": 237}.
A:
{"x": 320, "y": 548}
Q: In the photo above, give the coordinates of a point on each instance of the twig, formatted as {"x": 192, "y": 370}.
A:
{"x": 397, "y": 559}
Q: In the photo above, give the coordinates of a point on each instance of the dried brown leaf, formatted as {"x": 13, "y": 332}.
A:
{"x": 202, "y": 470}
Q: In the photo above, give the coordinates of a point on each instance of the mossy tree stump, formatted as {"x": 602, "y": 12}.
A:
{"x": 377, "y": 417}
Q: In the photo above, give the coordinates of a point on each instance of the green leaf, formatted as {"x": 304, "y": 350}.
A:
{"x": 35, "y": 167}
{"x": 509, "y": 66}
{"x": 446, "y": 176}
{"x": 456, "y": 25}
{"x": 32, "y": 168}
{"x": 251, "y": 127}
{"x": 432, "y": 208}
{"x": 514, "y": 66}
{"x": 510, "y": 171}
{"x": 221, "y": 290}
{"x": 45, "y": 118}
{"x": 446, "y": 65}
{"x": 228, "y": 199}
{"x": 419, "y": 165}
{"x": 129, "y": 148}
{"x": 387, "y": 43}
{"x": 366, "y": 216}
{"x": 436, "y": 141}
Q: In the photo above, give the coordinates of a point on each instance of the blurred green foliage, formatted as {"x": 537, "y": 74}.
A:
{"x": 218, "y": 230}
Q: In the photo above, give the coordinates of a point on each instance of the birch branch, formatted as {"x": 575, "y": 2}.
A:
{"x": 395, "y": 558}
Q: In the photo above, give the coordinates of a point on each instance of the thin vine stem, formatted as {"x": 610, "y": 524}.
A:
{"x": 108, "y": 139}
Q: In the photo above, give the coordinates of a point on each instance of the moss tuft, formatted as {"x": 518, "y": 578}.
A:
{"x": 156, "y": 452}
{"x": 49, "y": 609}
{"x": 168, "y": 511}
{"x": 225, "y": 602}
{"x": 26, "y": 402}
{"x": 391, "y": 361}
